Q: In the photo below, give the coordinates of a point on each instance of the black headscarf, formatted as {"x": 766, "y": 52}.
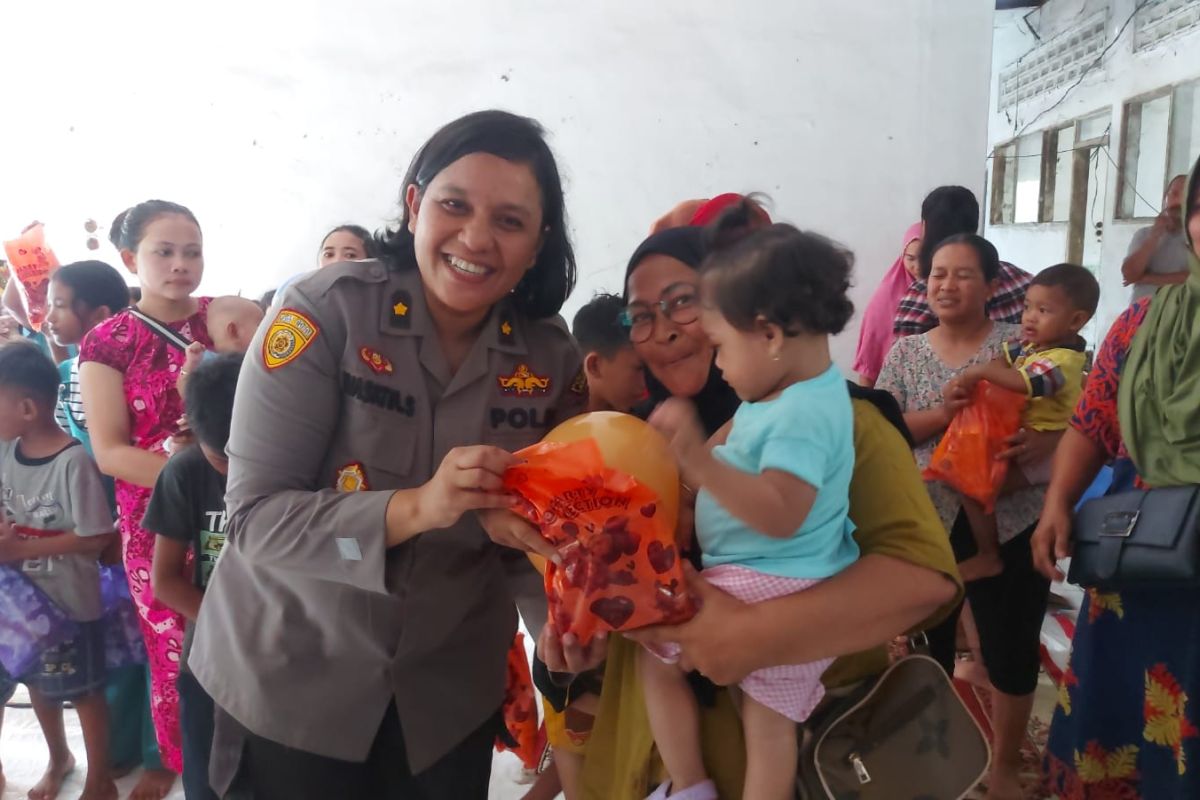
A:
{"x": 716, "y": 402}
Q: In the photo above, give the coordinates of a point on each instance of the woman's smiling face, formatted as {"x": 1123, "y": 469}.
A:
{"x": 680, "y": 356}
{"x": 477, "y": 228}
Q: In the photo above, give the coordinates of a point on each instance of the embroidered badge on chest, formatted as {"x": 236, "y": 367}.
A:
{"x": 351, "y": 478}
{"x": 523, "y": 383}
{"x": 290, "y": 335}
{"x": 378, "y": 362}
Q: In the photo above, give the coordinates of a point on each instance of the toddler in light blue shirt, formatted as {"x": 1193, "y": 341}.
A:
{"x": 773, "y": 494}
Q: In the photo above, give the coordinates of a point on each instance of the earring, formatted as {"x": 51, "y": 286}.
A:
{"x": 775, "y": 357}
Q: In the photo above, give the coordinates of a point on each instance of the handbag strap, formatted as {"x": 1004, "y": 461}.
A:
{"x": 160, "y": 329}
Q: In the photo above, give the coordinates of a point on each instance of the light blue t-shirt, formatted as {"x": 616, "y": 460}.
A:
{"x": 808, "y": 431}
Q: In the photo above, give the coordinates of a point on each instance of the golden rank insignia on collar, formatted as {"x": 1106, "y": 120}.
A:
{"x": 401, "y": 309}
{"x": 506, "y": 332}
{"x": 523, "y": 382}
{"x": 378, "y": 362}
{"x": 290, "y": 334}
{"x": 351, "y": 478}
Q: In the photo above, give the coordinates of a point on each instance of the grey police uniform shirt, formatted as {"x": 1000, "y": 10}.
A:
{"x": 1171, "y": 255}
{"x": 60, "y": 493}
{"x": 311, "y": 625}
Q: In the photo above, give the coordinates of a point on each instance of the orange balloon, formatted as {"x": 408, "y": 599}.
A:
{"x": 631, "y": 446}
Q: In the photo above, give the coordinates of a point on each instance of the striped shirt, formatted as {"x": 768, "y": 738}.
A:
{"x": 69, "y": 411}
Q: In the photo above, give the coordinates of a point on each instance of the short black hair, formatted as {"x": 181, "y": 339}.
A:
{"x": 946, "y": 211}
{"x": 795, "y": 279}
{"x": 545, "y": 286}
{"x": 208, "y": 398}
{"x": 1078, "y": 283}
{"x": 359, "y": 232}
{"x": 94, "y": 284}
{"x": 597, "y": 326}
{"x": 24, "y": 367}
{"x": 989, "y": 259}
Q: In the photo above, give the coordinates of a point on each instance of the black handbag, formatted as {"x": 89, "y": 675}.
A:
{"x": 1138, "y": 538}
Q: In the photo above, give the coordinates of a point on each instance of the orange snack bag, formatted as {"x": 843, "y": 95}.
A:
{"x": 31, "y": 262}
{"x": 621, "y": 566}
{"x": 520, "y": 708}
{"x": 965, "y": 458}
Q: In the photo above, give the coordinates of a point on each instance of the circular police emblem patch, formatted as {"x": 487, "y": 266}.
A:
{"x": 290, "y": 334}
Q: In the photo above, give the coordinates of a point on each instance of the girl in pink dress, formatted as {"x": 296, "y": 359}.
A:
{"x": 128, "y": 368}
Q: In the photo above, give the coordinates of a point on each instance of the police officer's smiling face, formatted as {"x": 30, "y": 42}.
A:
{"x": 477, "y": 230}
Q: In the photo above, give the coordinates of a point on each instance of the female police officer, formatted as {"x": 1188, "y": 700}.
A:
{"x": 355, "y": 632}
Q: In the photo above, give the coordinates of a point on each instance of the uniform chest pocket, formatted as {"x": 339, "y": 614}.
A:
{"x": 384, "y": 446}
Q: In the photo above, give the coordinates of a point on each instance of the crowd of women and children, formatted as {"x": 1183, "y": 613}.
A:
{"x": 302, "y": 497}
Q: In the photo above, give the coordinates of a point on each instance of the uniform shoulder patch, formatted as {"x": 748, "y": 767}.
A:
{"x": 290, "y": 334}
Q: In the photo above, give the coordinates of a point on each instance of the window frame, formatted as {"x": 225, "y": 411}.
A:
{"x": 1048, "y": 177}
{"x": 1119, "y": 213}
{"x": 1000, "y": 177}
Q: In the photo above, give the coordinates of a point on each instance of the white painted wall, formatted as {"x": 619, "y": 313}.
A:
{"x": 1124, "y": 74}
{"x": 275, "y": 122}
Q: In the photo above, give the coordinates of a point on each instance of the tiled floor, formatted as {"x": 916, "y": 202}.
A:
{"x": 23, "y": 754}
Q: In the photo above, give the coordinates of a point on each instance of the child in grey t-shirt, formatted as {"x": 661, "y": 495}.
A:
{"x": 56, "y": 521}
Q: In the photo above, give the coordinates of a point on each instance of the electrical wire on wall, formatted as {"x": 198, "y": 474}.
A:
{"x": 1087, "y": 70}
{"x": 1101, "y": 147}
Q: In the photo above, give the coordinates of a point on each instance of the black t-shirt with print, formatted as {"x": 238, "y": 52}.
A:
{"x": 188, "y": 504}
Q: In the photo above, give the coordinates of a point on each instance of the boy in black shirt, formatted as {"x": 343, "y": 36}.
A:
{"x": 187, "y": 511}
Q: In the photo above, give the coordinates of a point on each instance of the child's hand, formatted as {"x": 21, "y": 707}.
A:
{"x": 677, "y": 420}
{"x": 971, "y": 376}
{"x": 182, "y": 437}
{"x": 192, "y": 357}
{"x": 956, "y": 396}
{"x": 11, "y": 546}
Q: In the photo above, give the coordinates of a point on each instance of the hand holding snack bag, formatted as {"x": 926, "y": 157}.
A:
{"x": 966, "y": 457}
{"x": 31, "y": 263}
{"x": 604, "y": 490}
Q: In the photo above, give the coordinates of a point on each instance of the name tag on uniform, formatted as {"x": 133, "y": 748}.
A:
{"x": 349, "y": 549}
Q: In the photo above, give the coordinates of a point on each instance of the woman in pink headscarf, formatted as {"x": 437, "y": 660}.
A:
{"x": 875, "y": 337}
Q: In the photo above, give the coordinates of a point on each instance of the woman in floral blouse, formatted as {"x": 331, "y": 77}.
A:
{"x": 1126, "y": 725}
{"x": 1008, "y": 608}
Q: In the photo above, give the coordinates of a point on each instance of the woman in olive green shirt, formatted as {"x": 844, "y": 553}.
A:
{"x": 905, "y": 580}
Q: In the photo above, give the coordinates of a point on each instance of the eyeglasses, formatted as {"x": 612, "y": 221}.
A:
{"x": 682, "y": 308}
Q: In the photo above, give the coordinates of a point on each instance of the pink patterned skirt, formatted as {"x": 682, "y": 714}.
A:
{"x": 792, "y": 690}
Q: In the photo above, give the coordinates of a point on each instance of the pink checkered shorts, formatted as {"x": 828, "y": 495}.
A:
{"x": 792, "y": 690}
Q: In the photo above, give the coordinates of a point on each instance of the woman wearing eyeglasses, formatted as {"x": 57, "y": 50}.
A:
{"x": 904, "y": 580}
